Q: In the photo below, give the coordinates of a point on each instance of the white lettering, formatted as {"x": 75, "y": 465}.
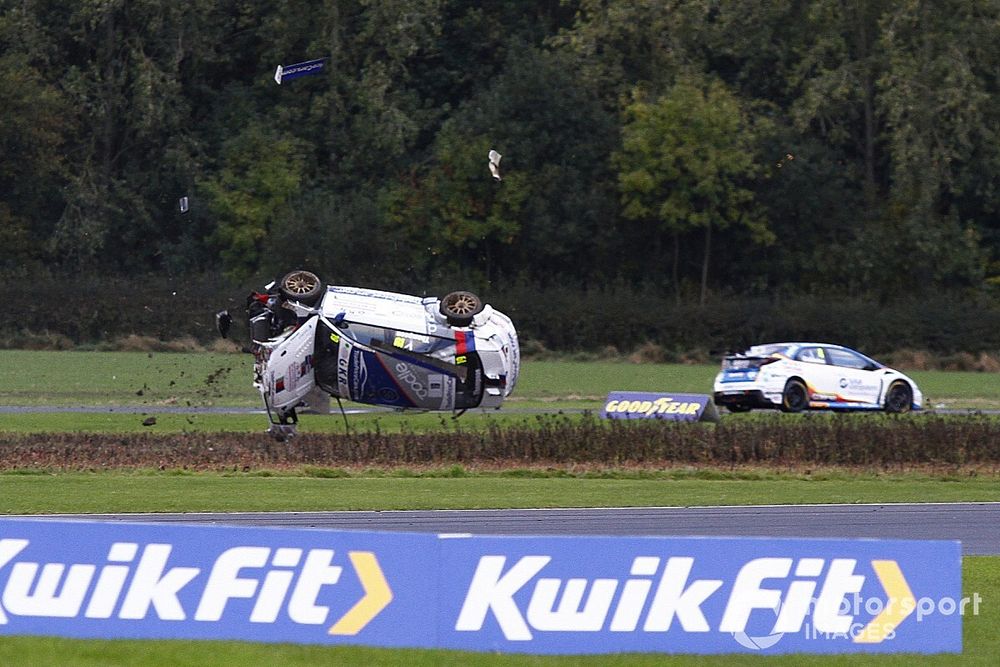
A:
{"x": 276, "y": 584}
{"x": 748, "y": 595}
{"x": 492, "y": 589}
{"x": 316, "y": 573}
{"x": 840, "y": 581}
{"x": 672, "y": 598}
{"x": 8, "y": 549}
{"x": 152, "y": 586}
{"x": 44, "y": 600}
{"x": 112, "y": 581}
{"x": 795, "y": 608}
{"x": 407, "y": 376}
{"x": 542, "y": 614}
{"x": 224, "y": 582}
{"x": 634, "y": 594}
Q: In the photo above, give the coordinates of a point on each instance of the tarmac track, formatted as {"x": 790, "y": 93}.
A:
{"x": 977, "y": 525}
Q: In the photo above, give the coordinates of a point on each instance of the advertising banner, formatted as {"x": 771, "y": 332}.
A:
{"x": 700, "y": 595}
{"x": 647, "y": 405}
{"x": 546, "y": 595}
{"x": 122, "y": 580}
{"x": 289, "y": 72}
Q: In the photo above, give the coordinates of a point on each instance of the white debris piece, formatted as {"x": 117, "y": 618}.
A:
{"x": 495, "y": 164}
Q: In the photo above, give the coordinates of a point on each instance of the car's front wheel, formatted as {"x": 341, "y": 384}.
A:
{"x": 899, "y": 398}
{"x": 460, "y": 307}
{"x": 302, "y": 286}
{"x": 795, "y": 397}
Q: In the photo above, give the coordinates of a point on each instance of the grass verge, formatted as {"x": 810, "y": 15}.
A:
{"x": 455, "y": 488}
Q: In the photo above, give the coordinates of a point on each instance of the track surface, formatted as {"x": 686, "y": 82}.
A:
{"x": 977, "y": 525}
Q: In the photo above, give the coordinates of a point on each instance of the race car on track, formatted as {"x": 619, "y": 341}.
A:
{"x": 794, "y": 377}
{"x": 375, "y": 347}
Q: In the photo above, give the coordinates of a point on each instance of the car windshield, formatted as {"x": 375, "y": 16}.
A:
{"x": 852, "y": 359}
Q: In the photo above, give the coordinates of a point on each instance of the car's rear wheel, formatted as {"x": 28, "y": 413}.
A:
{"x": 302, "y": 286}
{"x": 795, "y": 397}
{"x": 899, "y": 398}
{"x": 460, "y": 307}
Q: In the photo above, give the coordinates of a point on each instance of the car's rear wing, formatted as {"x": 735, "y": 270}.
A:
{"x": 743, "y": 362}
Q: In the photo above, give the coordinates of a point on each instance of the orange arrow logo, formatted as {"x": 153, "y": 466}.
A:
{"x": 377, "y": 595}
{"x": 900, "y": 604}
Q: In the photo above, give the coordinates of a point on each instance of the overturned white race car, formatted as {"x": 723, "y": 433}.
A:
{"x": 375, "y": 347}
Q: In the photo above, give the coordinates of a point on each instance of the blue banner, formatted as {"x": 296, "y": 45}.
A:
{"x": 154, "y": 581}
{"x": 546, "y": 595}
{"x": 289, "y": 72}
{"x": 646, "y": 405}
{"x": 700, "y": 595}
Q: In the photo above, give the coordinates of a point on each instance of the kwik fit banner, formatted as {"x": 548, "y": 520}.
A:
{"x": 513, "y": 594}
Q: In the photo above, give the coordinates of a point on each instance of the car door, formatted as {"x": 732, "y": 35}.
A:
{"x": 820, "y": 377}
{"x": 857, "y": 379}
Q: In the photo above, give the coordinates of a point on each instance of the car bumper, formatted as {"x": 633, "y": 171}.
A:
{"x": 753, "y": 398}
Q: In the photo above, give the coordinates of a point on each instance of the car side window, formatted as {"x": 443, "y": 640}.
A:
{"x": 847, "y": 359}
{"x": 813, "y": 355}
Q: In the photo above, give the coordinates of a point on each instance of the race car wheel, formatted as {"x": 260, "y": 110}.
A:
{"x": 795, "y": 397}
{"x": 899, "y": 398}
{"x": 460, "y": 307}
{"x": 302, "y": 286}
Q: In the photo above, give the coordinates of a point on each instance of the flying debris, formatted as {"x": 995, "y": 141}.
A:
{"x": 495, "y": 164}
{"x": 182, "y": 204}
{"x": 289, "y": 72}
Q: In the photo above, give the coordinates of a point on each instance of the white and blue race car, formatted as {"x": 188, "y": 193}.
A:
{"x": 794, "y": 377}
{"x": 375, "y": 347}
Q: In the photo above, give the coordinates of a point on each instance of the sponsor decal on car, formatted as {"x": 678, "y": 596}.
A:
{"x": 409, "y": 379}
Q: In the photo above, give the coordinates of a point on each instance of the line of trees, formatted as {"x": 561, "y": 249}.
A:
{"x": 702, "y": 147}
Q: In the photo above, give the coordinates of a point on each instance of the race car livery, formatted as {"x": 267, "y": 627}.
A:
{"x": 383, "y": 348}
{"x": 798, "y": 376}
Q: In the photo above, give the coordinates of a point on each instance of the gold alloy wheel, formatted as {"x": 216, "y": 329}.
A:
{"x": 300, "y": 282}
{"x": 463, "y": 304}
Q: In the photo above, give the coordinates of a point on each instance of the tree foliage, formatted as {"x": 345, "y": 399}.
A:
{"x": 644, "y": 141}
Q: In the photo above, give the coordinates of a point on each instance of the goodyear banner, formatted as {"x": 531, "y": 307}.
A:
{"x": 646, "y": 405}
{"x": 552, "y": 595}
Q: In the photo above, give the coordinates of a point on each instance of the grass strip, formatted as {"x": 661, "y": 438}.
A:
{"x": 171, "y": 492}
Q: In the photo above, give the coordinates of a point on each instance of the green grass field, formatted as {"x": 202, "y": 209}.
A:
{"x": 154, "y": 381}
{"x": 455, "y": 489}
{"x": 206, "y": 379}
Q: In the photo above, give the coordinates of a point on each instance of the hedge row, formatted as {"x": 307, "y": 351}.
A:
{"x": 560, "y": 318}
{"x": 553, "y": 440}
